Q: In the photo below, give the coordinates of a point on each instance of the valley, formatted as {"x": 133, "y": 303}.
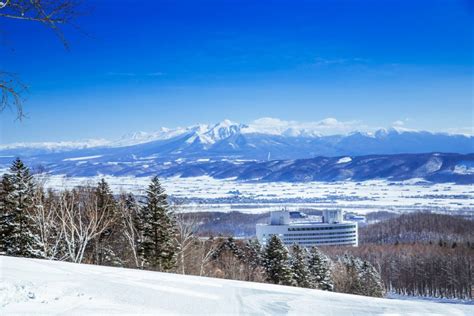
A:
{"x": 206, "y": 194}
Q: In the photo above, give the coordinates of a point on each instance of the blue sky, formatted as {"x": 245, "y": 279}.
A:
{"x": 147, "y": 64}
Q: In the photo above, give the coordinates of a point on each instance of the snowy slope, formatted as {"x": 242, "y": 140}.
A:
{"x": 38, "y": 286}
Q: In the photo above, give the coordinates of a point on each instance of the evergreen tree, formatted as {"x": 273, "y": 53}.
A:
{"x": 353, "y": 269}
{"x": 361, "y": 277}
{"x": 253, "y": 251}
{"x": 370, "y": 280}
{"x": 158, "y": 246}
{"x": 320, "y": 270}
{"x": 18, "y": 236}
{"x": 231, "y": 245}
{"x": 7, "y": 216}
{"x": 107, "y": 243}
{"x": 253, "y": 258}
{"x": 299, "y": 267}
{"x": 275, "y": 262}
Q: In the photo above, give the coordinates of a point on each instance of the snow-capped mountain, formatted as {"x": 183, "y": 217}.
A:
{"x": 259, "y": 140}
{"x": 45, "y": 147}
{"x": 223, "y": 150}
{"x": 209, "y": 135}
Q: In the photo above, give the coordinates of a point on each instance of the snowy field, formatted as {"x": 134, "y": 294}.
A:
{"x": 361, "y": 197}
{"x": 30, "y": 287}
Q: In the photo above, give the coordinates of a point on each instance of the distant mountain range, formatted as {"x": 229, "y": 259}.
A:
{"x": 229, "y": 149}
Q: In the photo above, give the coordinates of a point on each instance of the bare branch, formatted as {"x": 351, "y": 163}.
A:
{"x": 11, "y": 89}
{"x": 51, "y": 13}
{"x": 54, "y": 14}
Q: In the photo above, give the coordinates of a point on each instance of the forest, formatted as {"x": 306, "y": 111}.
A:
{"x": 89, "y": 224}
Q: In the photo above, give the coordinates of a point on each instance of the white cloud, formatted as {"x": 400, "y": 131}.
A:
{"x": 320, "y": 61}
{"x": 121, "y": 74}
{"x": 325, "y": 61}
{"x": 328, "y": 126}
{"x": 466, "y": 130}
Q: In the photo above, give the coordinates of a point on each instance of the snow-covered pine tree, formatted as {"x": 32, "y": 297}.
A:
{"x": 253, "y": 257}
{"x": 371, "y": 280}
{"x": 353, "y": 269}
{"x": 320, "y": 270}
{"x": 275, "y": 262}
{"x": 231, "y": 245}
{"x": 360, "y": 277}
{"x": 107, "y": 244}
{"x": 158, "y": 246}
{"x": 18, "y": 235}
{"x": 253, "y": 251}
{"x": 299, "y": 266}
{"x": 7, "y": 215}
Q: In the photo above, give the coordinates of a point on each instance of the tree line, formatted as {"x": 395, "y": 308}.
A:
{"x": 88, "y": 224}
{"x": 422, "y": 254}
{"x": 419, "y": 269}
{"x": 420, "y": 227}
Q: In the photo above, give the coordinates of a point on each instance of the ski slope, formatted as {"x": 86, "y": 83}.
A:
{"x": 29, "y": 286}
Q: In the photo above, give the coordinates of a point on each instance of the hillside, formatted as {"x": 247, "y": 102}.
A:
{"x": 38, "y": 286}
{"x": 419, "y": 227}
{"x": 433, "y": 167}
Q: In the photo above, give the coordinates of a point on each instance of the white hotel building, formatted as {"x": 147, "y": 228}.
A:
{"x": 330, "y": 231}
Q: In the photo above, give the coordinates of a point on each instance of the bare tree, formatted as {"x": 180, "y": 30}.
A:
{"x": 45, "y": 216}
{"x": 81, "y": 221}
{"x": 186, "y": 227}
{"x": 207, "y": 249}
{"x": 128, "y": 209}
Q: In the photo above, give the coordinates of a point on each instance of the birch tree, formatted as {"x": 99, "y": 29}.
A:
{"x": 81, "y": 220}
{"x": 185, "y": 228}
{"x": 128, "y": 210}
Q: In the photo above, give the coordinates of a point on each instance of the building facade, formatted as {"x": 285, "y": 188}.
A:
{"x": 331, "y": 230}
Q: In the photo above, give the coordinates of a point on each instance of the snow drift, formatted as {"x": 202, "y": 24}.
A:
{"x": 32, "y": 286}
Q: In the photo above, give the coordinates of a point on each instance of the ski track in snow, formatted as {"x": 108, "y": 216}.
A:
{"x": 32, "y": 286}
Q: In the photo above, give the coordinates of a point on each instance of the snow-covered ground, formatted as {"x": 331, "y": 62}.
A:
{"x": 430, "y": 299}
{"x": 30, "y": 286}
{"x": 360, "y": 197}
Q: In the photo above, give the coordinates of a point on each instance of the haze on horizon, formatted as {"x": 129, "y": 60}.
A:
{"x": 365, "y": 64}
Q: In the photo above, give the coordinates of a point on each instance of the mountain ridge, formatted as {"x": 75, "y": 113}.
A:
{"x": 229, "y": 149}
{"x": 209, "y": 135}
